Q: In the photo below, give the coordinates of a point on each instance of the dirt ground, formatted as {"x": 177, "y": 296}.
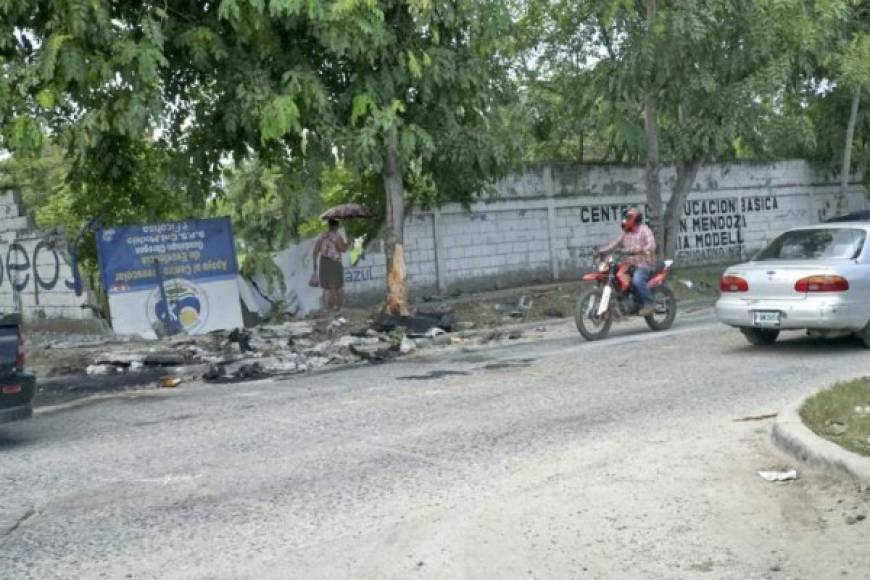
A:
{"x": 558, "y": 300}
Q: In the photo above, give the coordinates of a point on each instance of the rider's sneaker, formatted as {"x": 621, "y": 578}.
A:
{"x": 647, "y": 311}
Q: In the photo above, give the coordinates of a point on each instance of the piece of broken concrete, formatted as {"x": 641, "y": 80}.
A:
{"x": 443, "y": 339}
{"x": 407, "y": 346}
{"x": 373, "y": 352}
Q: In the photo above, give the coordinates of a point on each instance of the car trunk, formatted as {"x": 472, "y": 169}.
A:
{"x": 775, "y": 280}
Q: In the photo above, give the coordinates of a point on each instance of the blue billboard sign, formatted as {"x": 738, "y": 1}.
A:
{"x": 180, "y": 276}
{"x": 135, "y": 258}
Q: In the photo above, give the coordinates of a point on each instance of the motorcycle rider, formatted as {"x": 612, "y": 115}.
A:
{"x": 637, "y": 240}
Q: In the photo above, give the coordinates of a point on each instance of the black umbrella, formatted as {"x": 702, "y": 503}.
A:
{"x": 347, "y": 211}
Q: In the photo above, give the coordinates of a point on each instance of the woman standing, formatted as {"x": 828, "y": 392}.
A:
{"x": 327, "y": 254}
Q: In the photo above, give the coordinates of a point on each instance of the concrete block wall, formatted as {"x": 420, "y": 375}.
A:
{"x": 35, "y": 274}
{"x": 544, "y": 224}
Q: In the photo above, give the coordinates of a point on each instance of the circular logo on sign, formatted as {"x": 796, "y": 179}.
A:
{"x": 188, "y": 305}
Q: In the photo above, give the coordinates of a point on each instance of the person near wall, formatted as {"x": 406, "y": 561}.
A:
{"x": 327, "y": 257}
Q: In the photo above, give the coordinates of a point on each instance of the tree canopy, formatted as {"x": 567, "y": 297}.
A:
{"x": 268, "y": 109}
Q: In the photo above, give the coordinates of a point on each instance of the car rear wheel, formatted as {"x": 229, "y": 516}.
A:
{"x": 760, "y": 336}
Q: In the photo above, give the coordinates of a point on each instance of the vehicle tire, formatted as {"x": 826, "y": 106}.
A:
{"x": 664, "y": 298}
{"x": 864, "y": 335}
{"x": 590, "y": 325}
{"x": 760, "y": 336}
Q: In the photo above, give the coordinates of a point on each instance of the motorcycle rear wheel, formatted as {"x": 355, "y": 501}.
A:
{"x": 590, "y": 325}
{"x": 664, "y": 300}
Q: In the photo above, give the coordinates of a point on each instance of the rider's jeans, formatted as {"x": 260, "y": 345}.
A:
{"x": 640, "y": 282}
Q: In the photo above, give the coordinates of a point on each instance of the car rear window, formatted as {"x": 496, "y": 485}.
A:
{"x": 816, "y": 244}
{"x": 8, "y": 344}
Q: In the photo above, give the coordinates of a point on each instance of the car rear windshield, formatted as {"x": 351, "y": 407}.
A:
{"x": 816, "y": 244}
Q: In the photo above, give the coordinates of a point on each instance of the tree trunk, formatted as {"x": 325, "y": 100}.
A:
{"x": 651, "y": 133}
{"x": 653, "y": 185}
{"x": 394, "y": 232}
{"x": 846, "y": 170}
{"x": 686, "y": 173}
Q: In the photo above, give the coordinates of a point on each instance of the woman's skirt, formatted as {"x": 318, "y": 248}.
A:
{"x": 331, "y": 274}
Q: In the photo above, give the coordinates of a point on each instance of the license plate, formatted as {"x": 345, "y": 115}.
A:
{"x": 766, "y": 319}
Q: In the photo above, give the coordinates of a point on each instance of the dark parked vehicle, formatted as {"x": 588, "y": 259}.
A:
{"x": 17, "y": 388}
{"x": 855, "y": 216}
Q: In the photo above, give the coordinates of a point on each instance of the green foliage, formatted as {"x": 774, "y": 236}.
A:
{"x": 716, "y": 67}
{"x": 153, "y": 100}
{"x": 42, "y": 180}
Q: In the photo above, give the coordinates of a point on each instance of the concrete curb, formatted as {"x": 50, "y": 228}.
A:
{"x": 792, "y": 436}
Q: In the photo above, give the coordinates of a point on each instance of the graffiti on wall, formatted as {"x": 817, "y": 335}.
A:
{"x": 363, "y": 274}
{"x": 714, "y": 229}
{"x": 33, "y": 266}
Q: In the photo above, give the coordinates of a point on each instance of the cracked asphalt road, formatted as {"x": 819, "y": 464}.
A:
{"x": 555, "y": 459}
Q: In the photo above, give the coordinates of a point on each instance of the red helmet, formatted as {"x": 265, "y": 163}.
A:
{"x": 631, "y": 219}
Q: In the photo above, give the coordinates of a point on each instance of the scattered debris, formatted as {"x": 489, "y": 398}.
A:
{"x": 442, "y": 340}
{"x": 101, "y": 369}
{"x": 419, "y": 323}
{"x": 170, "y": 382}
{"x": 525, "y": 303}
{"x": 214, "y": 372}
{"x": 835, "y": 428}
{"x": 775, "y": 475}
{"x": 373, "y": 352}
{"x": 852, "y": 520}
{"x": 553, "y": 313}
{"x": 756, "y": 417}
{"x": 515, "y": 334}
{"x": 687, "y": 283}
{"x": 407, "y": 346}
{"x": 434, "y": 331}
{"x": 242, "y": 338}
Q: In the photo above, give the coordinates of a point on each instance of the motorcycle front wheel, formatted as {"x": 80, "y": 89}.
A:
{"x": 666, "y": 309}
{"x": 590, "y": 325}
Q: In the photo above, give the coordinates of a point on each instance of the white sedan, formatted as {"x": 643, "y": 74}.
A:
{"x": 814, "y": 278}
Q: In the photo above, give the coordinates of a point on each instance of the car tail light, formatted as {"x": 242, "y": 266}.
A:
{"x": 11, "y": 389}
{"x": 733, "y": 284}
{"x": 822, "y": 284}
{"x": 19, "y": 361}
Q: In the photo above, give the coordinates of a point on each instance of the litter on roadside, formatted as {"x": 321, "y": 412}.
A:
{"x": 756, "y": 417}
{"x": 170, "y": 382}
{"x": 789, "y": 475}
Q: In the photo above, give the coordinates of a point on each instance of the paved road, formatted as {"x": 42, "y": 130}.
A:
{"x": 560, "y": 459}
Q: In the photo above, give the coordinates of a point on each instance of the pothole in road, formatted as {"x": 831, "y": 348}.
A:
{"x": 433, "y": 375}
{"x": 519, "y": 363}
{"x": 159, "y": 421}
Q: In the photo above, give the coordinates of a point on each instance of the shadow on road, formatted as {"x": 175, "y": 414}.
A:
{"x": 806, "y": 346}
{"x": 12, "y": 441}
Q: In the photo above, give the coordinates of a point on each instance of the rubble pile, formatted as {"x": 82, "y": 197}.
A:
{"x": 268, "y": 350}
